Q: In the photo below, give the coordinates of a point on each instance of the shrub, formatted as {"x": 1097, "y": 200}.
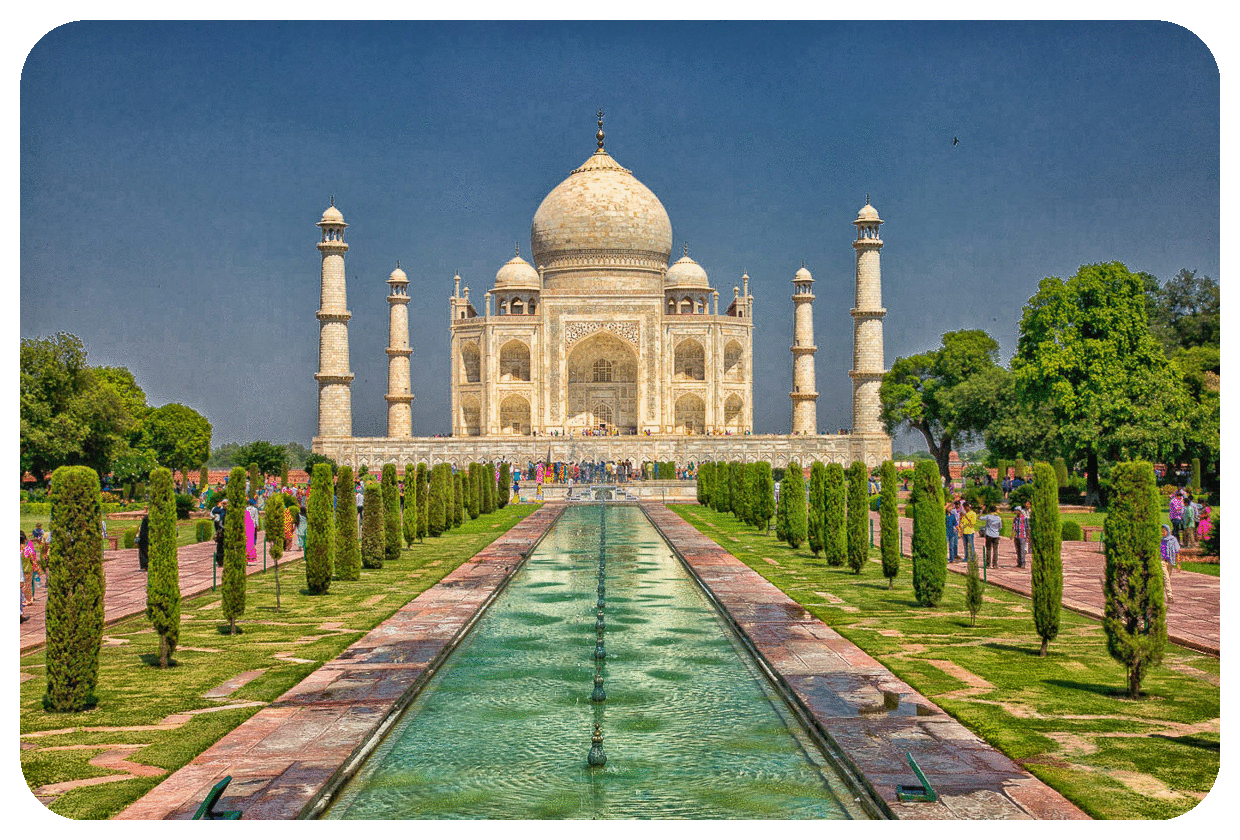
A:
{"x": 763, "y": 507}
{"x": 437, "y": 520}
{"x": 1046, "y": 572}
{"x": 1061, "y": 473}
{"x": 817, "y": 506}
{"x": 1022, "y": 469}
{"x": 736, "y": 491}
{"x": 320, "y": 533}
{"x": 256, "y": 480}
{"x": 75, "y": 587}
{"x": 980, "y": 498}
{"x": 458, "y": 498}
{"x": 876, "y": 502}
{"x": 489, "y": 480}
{"x": 1210, "y": 545}
{"x": 348, "y": 551}
{"x": 705, "y": 476}
{"x": 203, "y": 530}
{"x": 1022, "y": 495}
{"x": 929, "y": 535}
{"x": 411, "y": 505}
{"x": 505, "y": 485}
{"x": 834, "y": 515}
{"x": 794, "y": 489}
{"x": 163, "y": 591}
{"x": 204, "y": 478}
{"x": 273, "y": 525}
{"x": 423, "y": 480}
{"x": 106, "y": 498}
{"x": 858, "y": 516}
{"x": 1197, "y": 475}
{"x": 473, "y": 505}
{"x": 391, "y": 514}
{"x": 374, "y": 540}
{"x": 1136, "y": 618}
{"x": 722, "y": 493}
{"x": 889, "y": 525}
{"x": 1070, "y": 531}
{"x": 232, "y": 586}
{"x": 284, "y": 474}
{"x": 130, "y": 538}
{"x": 184, "y": 503}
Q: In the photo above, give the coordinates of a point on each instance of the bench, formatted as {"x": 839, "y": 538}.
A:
{"x": 206, "y": 811}
{"x": 1089, "y": 530}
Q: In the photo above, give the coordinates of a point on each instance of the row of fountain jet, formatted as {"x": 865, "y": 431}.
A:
{"x": 598, "y": 758}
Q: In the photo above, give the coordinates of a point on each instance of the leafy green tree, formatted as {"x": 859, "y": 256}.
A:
{"x": 834, "y": 524}
{"x": 947, "y": 394}
{"x": 314, "y": 459}
{"x": 284, "y": 474}
{"x": 224, "y": 456}
{"x": 437, "y": 521}
{"x": 1184, "y": 311}
{"x": 1085, "y": 354}
{"x": 267, "y": 457}
{"x": 423, "y": 479}
{"x": 1046, "y": 573}
{"x": 1135, "y": 612}
{"x": 817, "y": 506}
{"x": 391, "y": 513}
{"x": 794, "y": 488}
{"x": 75, "y": 586}
{"x": 204, "y": 478}
{"x": 273, "y": 524}
{"x": 705, "y": 482}
{"x": 1061, "y": 472}
{"x": 179, "y": 436}
{"x": 722, "y": 494}
{"x": 163, "y": 590}
{"x": 320, "y": 533}
{"x": 763, "y": 506}
{"x": 132, "y": 466}
{"x": 256, "y": 480}
{"x": 929, "y": 535}
{"x": 411, "y": 504}
{"x": 504, "y": 488}
{"x": 374, "y": 539}
{"x": 232, "y": 585}
{"x": 347, "y": 548}
{"x": 889, "y": 524}
{"x": 858, "y": 516}
{"x": 458, "y": 499}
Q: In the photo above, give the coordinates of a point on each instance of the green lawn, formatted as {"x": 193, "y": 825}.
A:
{"x": 1063, "y": 717}
{"x": 134, "y": 693}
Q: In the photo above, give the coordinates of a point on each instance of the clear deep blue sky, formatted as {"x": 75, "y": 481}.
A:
{"x": 172, "y": 175}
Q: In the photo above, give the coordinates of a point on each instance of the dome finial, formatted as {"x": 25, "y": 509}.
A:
{"x": 398, "y": 263}
{"x": 518, "y": 253}
{"x": 686, "y": 247}
{"x": 600, "y": 129}
{"x": 332, "y": 201}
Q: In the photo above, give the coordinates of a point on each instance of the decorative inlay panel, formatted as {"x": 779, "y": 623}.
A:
{"x": 574, "y": 331}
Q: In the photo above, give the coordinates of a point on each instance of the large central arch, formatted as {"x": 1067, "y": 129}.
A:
{"x": 602, "y": 370}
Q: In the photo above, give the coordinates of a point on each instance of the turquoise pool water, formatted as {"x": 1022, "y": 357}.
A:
{"x": 691, "y": 728}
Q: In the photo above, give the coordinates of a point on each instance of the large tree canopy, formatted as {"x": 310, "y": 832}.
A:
{"x": 269, "y": 457}
{"x": 947, "y": 394}
{"x": 1085, "y": 354}
{"x": 179, "y": 436}
{"x": 1184, "y": 311}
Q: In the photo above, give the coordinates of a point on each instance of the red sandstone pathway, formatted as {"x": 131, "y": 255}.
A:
{"x": 1192, "y": 616}
{"x": 125, "y": 585}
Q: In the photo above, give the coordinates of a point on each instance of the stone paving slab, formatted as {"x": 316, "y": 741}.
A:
{"x": 1192, "y": 615}
{"x": 848, "y": 695}
{"x": 283, "y": 758}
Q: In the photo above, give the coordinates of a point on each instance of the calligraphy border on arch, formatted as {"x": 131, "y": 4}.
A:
{"x": 574, "y": 331}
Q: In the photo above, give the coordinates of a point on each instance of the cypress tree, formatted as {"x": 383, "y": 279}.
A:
{"x": 1136, "y": 614}
{"x": 374, "y": 532}
{"x": 273, "y": 526}
{"x": 320, "y": 534}
{"x": 423, "y": 501}
{"x": 204, "y": 478}
{"x": 410, "y": 516}
{"x": 834, "y": 519}
{"x": 488, "y": 482}
{"x": 972, "y": 590}
{"x": 781, "y": 512}
{"x": 1046, "y": 572}
{"x": 817, "y": 506}
{"x": 736, "y": 490}
{"x": 764, "y": 495}
{"x": 1196, "y": 474}
{"x": 449, "y": 498}
{"x": 163, "y": 590}
{"x": 705, "y": 480}
{"x": 256, "y": 481}
{"x": 391, "y": 513}
{"x": 889, "y": 524}
{"x": 794, "y": 489}
{"x": 1021, "y": 467}
{"x": 929, "y": 535}
{"x": 505, "y": 484}
{"x": 723, "y": 487}
{"x": 232, "y": 583}
{"x": 1061, "y": 472}
{"x": 458, "y": 499}
{"x": 284, "y": 474}
{"x": 437, "y": 520}
{"x": 74, "y": 591}
{"x": 348, "y": 550}
{"x": 858, "y": 516}
{"x": 472, "y": 506}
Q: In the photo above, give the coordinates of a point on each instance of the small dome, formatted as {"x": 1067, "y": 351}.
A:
{"x": 868, "y": 213}
{"x": 517, "y": 274}
{"x": 802, "y": 274}
{"x": 398, "y": 276}
{"x": 686, "y": 272}
{"x": 332, "y": 216}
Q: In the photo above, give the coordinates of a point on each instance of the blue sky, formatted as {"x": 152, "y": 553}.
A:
{"x": 172, "y": 174}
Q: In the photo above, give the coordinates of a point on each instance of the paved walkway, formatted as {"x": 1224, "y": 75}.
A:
{"x": 871, "y": 716}
{"x": 125, "y": 585}
{"x": 1192, "y": 616}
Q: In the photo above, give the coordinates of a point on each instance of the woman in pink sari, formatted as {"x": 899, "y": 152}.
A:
{"x": 251, "y": 527}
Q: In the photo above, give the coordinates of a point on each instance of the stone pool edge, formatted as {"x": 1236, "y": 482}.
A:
{"x": 289, "y": 758}
{"x": 824, "y": 673}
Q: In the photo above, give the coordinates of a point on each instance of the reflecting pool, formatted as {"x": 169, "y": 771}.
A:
{"x": 691, "y": 728}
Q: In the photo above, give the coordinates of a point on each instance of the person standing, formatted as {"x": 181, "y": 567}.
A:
{"x": 992, "y": 527}
{"x": 144, "y": 542}
{"x": 951, "y": 521}
{"x": 21, "y": 566}
{"x": 301, "y": 528}
{"x": 1020, "y": 535}
{"x": 968, "y": 527}
{"x": 251, "y": 532}
{"x": 218, "y": 513}
{"x": 358, "y": 497}
{"x": 1170, "y": 551}
{"x": 1188, "y": 522}
{"x": 1175, "y": 512}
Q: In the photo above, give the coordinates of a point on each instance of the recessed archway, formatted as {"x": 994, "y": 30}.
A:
{"x": 514, "y": 362}
{"x": 514, "y": 416}
{"x": 602, "y": 371}
{"x": 690, "y": 415}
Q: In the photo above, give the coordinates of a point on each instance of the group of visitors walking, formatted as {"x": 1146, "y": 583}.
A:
{"x": 963, "y": 525}
{"x": 33, "y": 552}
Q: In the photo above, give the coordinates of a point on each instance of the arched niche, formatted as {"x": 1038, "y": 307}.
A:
{"x": 514, "y": 415}
{"x": 733, "y": 362}
{"x": 602, "y": 371}
{"x": 690, "y": 415}
{"x": 471, "y": 417}
{"x": 514, "y": 362}
{"x": 689, "y": 361}
{"x": 733, "y": 413}
{"x": 471, "y": 362}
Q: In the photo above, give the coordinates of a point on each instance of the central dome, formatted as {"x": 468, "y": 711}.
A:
{"x": 599, "y": 216}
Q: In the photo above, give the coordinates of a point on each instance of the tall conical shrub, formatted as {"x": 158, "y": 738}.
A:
{"x": 75, "y": 588}
{"x": 436, "y": 500}
{"x": 794, "y": 488}
{"x": 889, "y": 524}
{"x": 722, "y": 494}
{"x": 504, "y": 487}
{"x": 781, "y": 512}
{"x": 858, "y": 516}
{"x": 256, "y": 480}
{"x": 391, "y": 514}
{"x": 488, "y": 482}
{"x": 410, "y": 515}
{"x": 929, "y": 535}
{"x": 232, "y": 583}
{"x": 449, "y": 498}
{"x": 763, "y": 507}
{"x": 458, "y": 499}
{"x": 348, "y": 548}
{"x": 204, "y": 478}
{"x": 1061, "y": 472}
{"x": 1196, "y": 473}
{"x": 320, "y": 532}
{"x": 284, "y": 474}
{"x": 834, "y": 521}
{"x": 273, "y": 527}
{"x": 737, "y": 491}
{"x": 1046, "y": 571}
{"x": 817, "y": 506}
{"x": 163, "y": 588}
{"x": 472, "y": 487}
{"x": 424, "y": 512}
{"x": 702, "y": 483}
{"x": 972, "y": 590}
{"x": 374, "y": 531}
{"x": 1135, "y": 612}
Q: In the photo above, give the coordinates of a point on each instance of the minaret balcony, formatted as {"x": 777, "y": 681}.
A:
{"x": 342, "y": 317}
{"x": 398, "y": 299}
{"x": 803, "y": 297}
{"x": 802, "y": 349}
{"x": 868, "y": 313}
{"x": 804, "y": 395}
{"x": 399, "y": 351}
{"x": 873, "y": 244}
{"x": 866, "y": 375}
{"x": 333, "y": 378}
{"x": 335, "y": 246}
{"x": 398, "y": 398}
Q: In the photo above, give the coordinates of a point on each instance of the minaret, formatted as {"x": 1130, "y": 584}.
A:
{"x": 334, "y": 378}
{"x": 804, "y": 390}
{"x": 867, "y": 372}
{"x": 399, "y": 395}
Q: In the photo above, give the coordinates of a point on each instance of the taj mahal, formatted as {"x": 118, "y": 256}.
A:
{"x": 601, "y": 348}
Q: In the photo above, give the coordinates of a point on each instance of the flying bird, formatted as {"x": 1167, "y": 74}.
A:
{"x": 955, "y": 141}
